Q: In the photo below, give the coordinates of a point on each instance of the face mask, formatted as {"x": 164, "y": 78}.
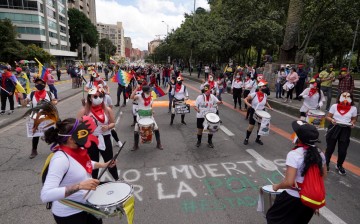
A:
{"x": 211, "y": 78}
{"x": 345, "y": 99}
{"x": 179, "y": 82}
{"x": 97, "y": 101}
{"x": 97, "y": 78}
{"x": 238, "y": 77}
{"x": 265, "y": 90}
{"x": 40, "y": 86}
{"x": 311, "y": 86}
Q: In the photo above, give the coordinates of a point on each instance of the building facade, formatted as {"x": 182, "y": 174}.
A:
{"x": 128, "y": 47}
{"x": 88, "y": 7}
{"x": 43, "y": 23}
{"x": 153, "y": 45}
{"x": 115, "y": 33}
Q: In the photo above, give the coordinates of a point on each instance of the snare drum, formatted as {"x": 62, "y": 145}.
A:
{"x": 146, "y": 126}
{"x": 259, "y": 114}
{"x": 316, "y": 118}
{"x": 109, "y": 197}
{"x": 268, "y": 196}
{"x": 212, "y": 122}
{"x": 181, "y": 107}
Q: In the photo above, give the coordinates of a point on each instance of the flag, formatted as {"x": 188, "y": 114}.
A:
{"x": 158, "y": 91}
{"x": 153, "y": 95}
{"x": 112, "y": 61}
{"x": 122, "y": 77}
{"x": 129, "y": 206}
{"x": 44, "y": 74}
{"x": 17, "y": 84}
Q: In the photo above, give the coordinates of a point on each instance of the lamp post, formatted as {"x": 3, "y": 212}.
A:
{"x": 167, "y": 28}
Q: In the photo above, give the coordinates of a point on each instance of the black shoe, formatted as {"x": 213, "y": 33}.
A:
{"x": 2, "y": 112}
{"x": 183, "y": 122}
{"x": 198, "y": 144}
{"x": 210, "y": 145}
{"x": 259, "y": 142}
{"x": 246, "y": 141}
{"x": 327, "y": 168}
{"x": 341, "y": 170}
{"x": 116, "y": 105}
{"x": 133, "y": 124}
{"x": 124, "y": 105}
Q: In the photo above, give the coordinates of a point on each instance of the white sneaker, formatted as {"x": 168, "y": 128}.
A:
{"x": 18, "y": 106}
{"x": 28, "y": 105}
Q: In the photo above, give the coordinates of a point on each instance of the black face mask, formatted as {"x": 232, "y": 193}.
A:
{"x": 266, "y": 90}
{"x": 180, "y": 82}
{"x": 40, "y": 86}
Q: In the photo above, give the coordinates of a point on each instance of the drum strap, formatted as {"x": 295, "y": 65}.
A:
{"x": 83, "y": 207}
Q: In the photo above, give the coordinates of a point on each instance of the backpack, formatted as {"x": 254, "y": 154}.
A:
{"x": 312, "y": 190}
{"x": 45, "y": 171}
{"x": 33, "y": 93}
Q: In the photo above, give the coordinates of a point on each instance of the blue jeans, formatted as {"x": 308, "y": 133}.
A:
{"x": 53, "y": 90}
{"x": 219, "y": 95}
{"x": 166, "y": 80}
{"x": 171, "y": 98}
{"x": 328, "y": 94}
{"x": 278, "y": 90}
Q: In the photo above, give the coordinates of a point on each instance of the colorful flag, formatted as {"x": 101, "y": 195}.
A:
{"x": 112, "y": 61}
{"x": 122, "y": 77}
{"x": 159, "y": 92}
{"x": 17, "y": 84}
{"x": 44, "y": 74}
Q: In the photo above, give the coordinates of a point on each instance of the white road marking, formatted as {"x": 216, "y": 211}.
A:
{"x": 261, "y": 161}
{"x": 330, "y": 216}
{"x": 117, "y": 120}
{"x": 227, "y": 131}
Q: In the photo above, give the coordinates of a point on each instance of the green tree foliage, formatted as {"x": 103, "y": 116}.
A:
{"x": 10, "y": 48}
{"x": 32, "y": 51}
{"x": 80, "y": 25}
{"x": 106, "y": 48}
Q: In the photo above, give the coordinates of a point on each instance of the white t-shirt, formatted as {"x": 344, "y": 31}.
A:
{"x": 98, "y": 130}
{"x": 311, "y": 102}
{"x": 204, "y": 105}
{"x": 181, "y": 94}
{"x": 249, "y": 84}
{"x": 206, "y": 69}
{"x": 35, "y": 102}
{"x": 108, "y": 100}
{"x": 141, "y": 103}
{"x": 346, "y": 118}
{"x": 91, "y": 84}
{"x": 255, "y": 104}
{"x": 237, "y": 84}
{"x": 295, "y": 159}
{"x": 53, "y": 190}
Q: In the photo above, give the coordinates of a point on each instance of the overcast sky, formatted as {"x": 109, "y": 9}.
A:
{"x": 142, "y": 18}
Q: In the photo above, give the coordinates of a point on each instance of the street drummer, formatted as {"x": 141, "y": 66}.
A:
{"x": 313, "y": 98}
{"x": 258, "y": 102}
{"x": 180, "y": 94}
{"x": 342, "y": 116}
{"x": 145, "y": 102}
{"x": 288, "y": 207}
{"x": 205, "y": 102}
{"x": 137, "y": 91}
{"x": 69, "y": 173}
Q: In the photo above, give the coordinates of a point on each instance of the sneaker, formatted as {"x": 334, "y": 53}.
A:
{"x": 259, "y": 142}
{"x": 18, "y": 106}
{"x": 116, "y": 105}
{"x": 210, "y": 145}
{"x": 10, "y": 112}
{"x": 327, "y": 168}
{"x": 198, "y": 144}
{"x": 246, "y": 141}
{"x": 285, "y": 101}
{"x": 183, "y": 122}
{"x": 124, "y": 105}
{"x": 341, "y": 170}
{"x": 2, "y": 112}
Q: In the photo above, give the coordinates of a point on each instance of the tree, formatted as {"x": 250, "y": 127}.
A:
{"x": 10, "y": 48}
{"x": 80, "y": 25}
{"x": 32, "y": 51}
{"x": 106, "y": 48}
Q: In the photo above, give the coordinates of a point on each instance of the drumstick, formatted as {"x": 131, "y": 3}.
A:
{"x": 103, "y": 171}
{"x": 5, "y": 90}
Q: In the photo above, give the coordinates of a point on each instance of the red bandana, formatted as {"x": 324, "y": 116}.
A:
{"x": 343, "y": 108}
{"x": 298, "y": 145}
{"x": 237, "y": 79}
{"x": 96, "y": 83}
{"x": 40, "y": 95}
{"x": 312, "y": 91}
{"x": 260, "y": 96}
{"x": 211, "y": 84}
{"x": 147, "y": 100}
{"x": 177, "y": 87}
{"x": 207, "y": 97}
{"x": 98, "y": 112}
{"x": 80, "y": 155}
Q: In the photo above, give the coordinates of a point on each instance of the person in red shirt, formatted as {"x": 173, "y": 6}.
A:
{"x": 7, "y": 89}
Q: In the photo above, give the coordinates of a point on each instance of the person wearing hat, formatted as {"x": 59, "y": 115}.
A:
{"x": 313, "y": 98}
{"x": 288, "y": 207}
{"x": 7, "y": 89}
{"x": 299, "y": 87}
{"x": 180, "y": 94}
{"x": 25, "y": 83}
{"x": 258, "y": 102}
{"x": 327, "y": 77}
{"x": 346, "y": 82}
{"x": 105, "y": 121}
{"x": 145, "y": 102}
{"x": 205, "y": 102}
{"x": 95, "y": 80}
{"x": 34, "y": 98}
{"x": 342, "y": 116}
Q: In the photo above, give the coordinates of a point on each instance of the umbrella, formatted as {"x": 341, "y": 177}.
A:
{"x": 23, "y": 61}
{"x": 32, "y": 62}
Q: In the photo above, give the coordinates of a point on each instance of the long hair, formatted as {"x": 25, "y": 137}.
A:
{"x": 312, "y": 157}
{"x": 51, "y": 135}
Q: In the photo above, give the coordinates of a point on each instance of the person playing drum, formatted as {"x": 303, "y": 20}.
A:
{"x": 138, "y": 90}
{"x": 288, "y": 207}
{"x": 180, "y": 94}
{"x": 205, "y": 102}
{"x": 258, "y": 102}
{"x": 342, "y": 116}
{"x": 69, "y": 173}
{"x": 145, "y": 102}
{"x": 313, "y": 98}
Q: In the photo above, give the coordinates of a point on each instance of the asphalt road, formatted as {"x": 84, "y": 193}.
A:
{"x": 182, "y": 183}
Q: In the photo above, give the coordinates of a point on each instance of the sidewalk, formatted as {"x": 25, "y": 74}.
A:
{"x": 292, "y": 108}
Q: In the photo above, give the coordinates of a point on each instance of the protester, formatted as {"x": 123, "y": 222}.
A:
{"x": 7, "y": 89}
{"x": 171, "y": 86}
{"x": 291, "y": 80}
{"x": 206, "y": 71}
{"x": 58, "y": 72}
{"x": 50, "y": 81}
{"x": 280, "y": 81}
{"x": 313, "y": 98}
{"x": 25, "y": 83}
{"x": 299, "y": 87}
{"x": 236, "y": 89}
{"x": 288, "y": 207}
{"x": 120, "y": 89}
{"x": 221, "y": 85}
{"x": 342, "y": 116}
{"x": 180, "y": 94}
{"x": 249, "y": 85}
{"x": 346, "y": 82}
{"x": 327, "y": 77}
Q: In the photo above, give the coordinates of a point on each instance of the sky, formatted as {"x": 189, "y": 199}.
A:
{"x": 142, "y": 19}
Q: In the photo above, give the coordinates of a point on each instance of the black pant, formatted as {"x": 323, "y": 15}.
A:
{"x": 237, "y": 96}
{"x": 246, "y": 93}
{"x": 82, "y": 217}
{"x": 4, "y": 97}
{"x": 35, "y": 142}
{"x": 299, "y": 88}
{"x": 290, "y": 94}
{"x": 107, "y": 155}
{"x": 342, "y": 149}
{"x": 120, "y": 89}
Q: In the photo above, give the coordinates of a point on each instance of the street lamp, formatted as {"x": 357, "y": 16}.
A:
{"x": 167, "y": 27}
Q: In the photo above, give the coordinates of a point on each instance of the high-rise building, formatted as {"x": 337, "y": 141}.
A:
{"x": 88, "y": 7}
{"x": 153, "y": 45}
{"x": 43, "y": 23}
{"x": 115, "y": 33}
{"x": 128, "y": 47}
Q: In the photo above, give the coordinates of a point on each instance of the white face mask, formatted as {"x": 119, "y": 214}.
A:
{"x": 311, "y": 86}
{"x": 97, "y": 78}
{"x": 97, "y": 101}
{"x": 345, "y": 97}
{"x": 238, "y": 77}
{"x": 211, "y": 78}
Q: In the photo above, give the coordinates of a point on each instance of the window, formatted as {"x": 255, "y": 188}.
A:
{"x": 62, "y": 19}
{"x": 31, "y": 5}
{"x": 64, "y": 48}
{"x": 30, "y": 30}
{"x": 52, "y": 34}
{"x": 61, "y": 10}
{"x": 22, "y": 18}
{"x": 63, "y": 38}
{"x": 51, "y": 3}
{"x": 52, "y": 25}
{"x": 50, "y": 13}
{"x": 63, "y": 29}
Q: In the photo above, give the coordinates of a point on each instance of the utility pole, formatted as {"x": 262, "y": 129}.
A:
{"x": 353, "y": 45}
{"x": 82, "y": 48}
{"x": 191, "y": 50}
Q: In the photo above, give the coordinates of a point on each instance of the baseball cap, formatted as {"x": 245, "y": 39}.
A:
{"x": 307, "y": 133}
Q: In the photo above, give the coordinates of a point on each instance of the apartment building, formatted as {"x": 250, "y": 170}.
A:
{"x": 115, "y": 33}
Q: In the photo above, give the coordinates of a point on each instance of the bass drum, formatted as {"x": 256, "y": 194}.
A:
{"x": 146, "y": 126}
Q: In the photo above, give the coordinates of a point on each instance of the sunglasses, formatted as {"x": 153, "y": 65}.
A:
{"x": 95, "y": 97}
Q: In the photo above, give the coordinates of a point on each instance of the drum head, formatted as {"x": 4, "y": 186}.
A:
{"x": 269, "y": 189}
{"x": 344, "y": 123}
{"x": 145, "y": 121}
{"x": 212, "y": 118}
{"x": 316, "y": 112}
{"x": 110, "y": 193}
{"x": 263, "y": 114}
